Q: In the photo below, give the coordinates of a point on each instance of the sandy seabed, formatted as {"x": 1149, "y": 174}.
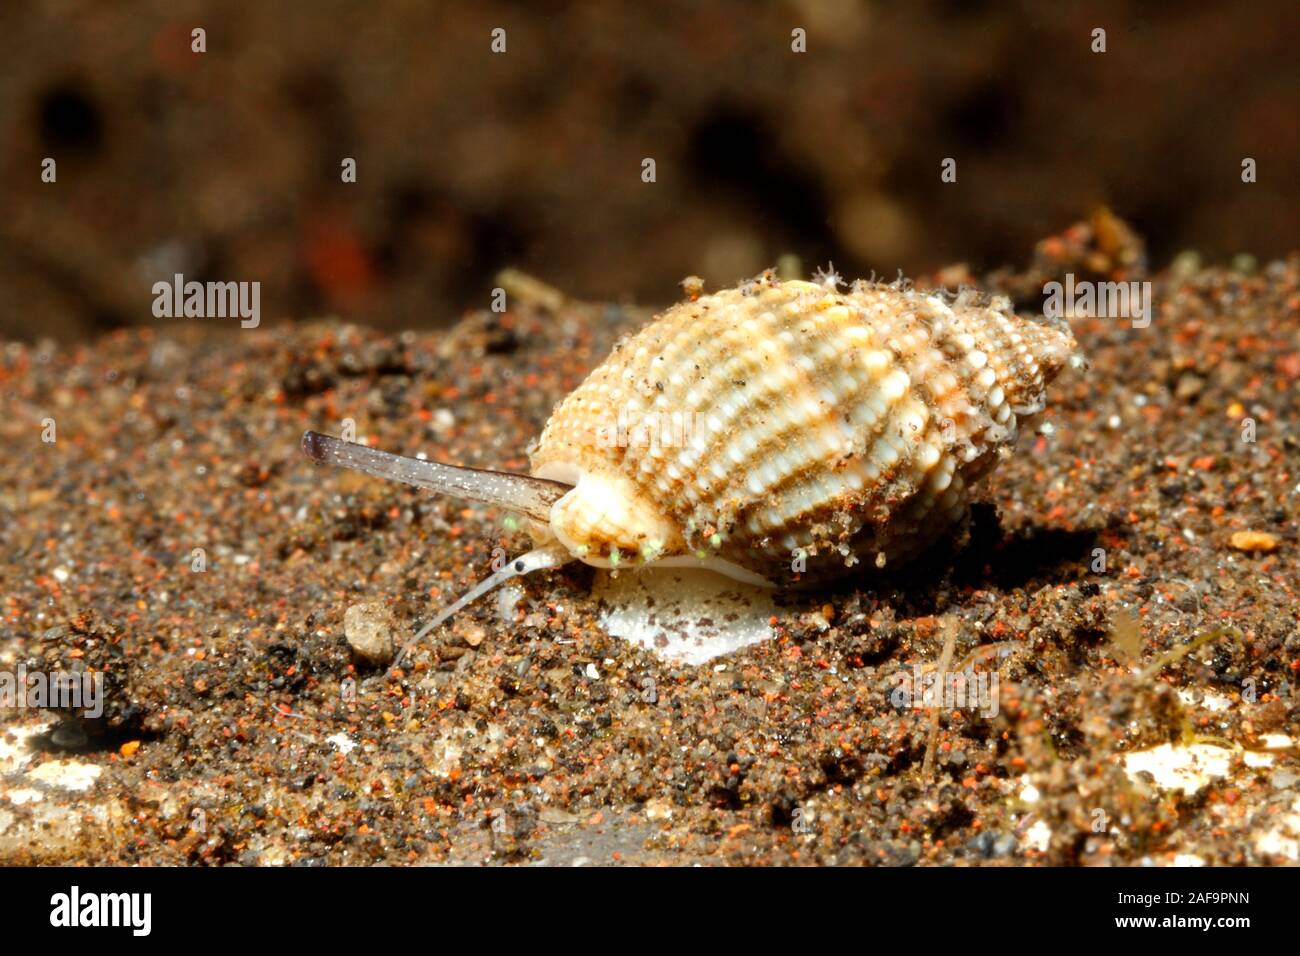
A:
{"x": 238, "y": 728}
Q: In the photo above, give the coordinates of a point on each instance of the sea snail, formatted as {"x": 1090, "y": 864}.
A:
{"x": 773, "y": 426}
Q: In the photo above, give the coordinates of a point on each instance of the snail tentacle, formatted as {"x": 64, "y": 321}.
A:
{"x": 522, "y": 494}
{"x": 551, "y": 556}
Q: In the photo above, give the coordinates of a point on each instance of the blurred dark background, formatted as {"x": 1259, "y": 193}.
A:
{"x": 226, "y": 165}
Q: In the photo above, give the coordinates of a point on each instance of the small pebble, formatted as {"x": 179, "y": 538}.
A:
{"x": 1189, "y": 386}
{"x": 1283, "y": 778}
{"x": 658, "y": 808}
{"x": 1253, "y": 541}
{"x": 369, "y": 631}
{"x": 473, "y": 634}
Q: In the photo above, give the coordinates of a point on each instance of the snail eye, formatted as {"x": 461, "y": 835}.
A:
{"x": 519, "y": 566}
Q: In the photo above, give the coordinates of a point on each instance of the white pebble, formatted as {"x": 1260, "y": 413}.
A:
{"x": 369, "y": 631}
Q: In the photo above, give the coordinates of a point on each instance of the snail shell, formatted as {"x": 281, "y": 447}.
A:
{"x": 784, "y": 424}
